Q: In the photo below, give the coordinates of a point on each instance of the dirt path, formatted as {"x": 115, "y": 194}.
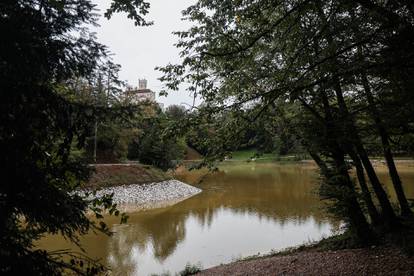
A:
{"x": 373, "y": 261}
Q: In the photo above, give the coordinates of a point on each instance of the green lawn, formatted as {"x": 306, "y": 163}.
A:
{"x": 247, "y": 155}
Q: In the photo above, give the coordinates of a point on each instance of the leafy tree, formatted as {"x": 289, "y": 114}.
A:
{"x": 48, "y": 44}
{"x": 338, "y": 60}
{"x": 102, "y": 88}
{"x": 176, "y": 112}
{"x": 157, "y": 144}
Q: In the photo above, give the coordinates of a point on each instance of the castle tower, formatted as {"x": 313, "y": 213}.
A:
{"x": 142, "y": 84}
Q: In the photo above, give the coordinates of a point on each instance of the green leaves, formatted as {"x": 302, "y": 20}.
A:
{"x": 159, "y": 143}
{"x": 43, "y": 121}
{"x": 135, "y": 10}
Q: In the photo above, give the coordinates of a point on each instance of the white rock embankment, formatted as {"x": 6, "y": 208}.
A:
{"x": 135, "y": 197}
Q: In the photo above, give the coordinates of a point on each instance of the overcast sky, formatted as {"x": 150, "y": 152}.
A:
{"x": 140, "y": 49}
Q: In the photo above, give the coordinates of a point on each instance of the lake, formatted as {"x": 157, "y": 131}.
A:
{"x": 244, "y": 209}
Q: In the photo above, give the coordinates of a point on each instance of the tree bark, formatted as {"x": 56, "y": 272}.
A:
{"x": 392, "y": 169}
{"x": 350, "y": 129}
{"x": 388, "y": 212}
{"x": 95, "y": 140}
{"x": 355, "y": 216}
{"x": 372, "y": 210}
{"x": 354, "y": 213}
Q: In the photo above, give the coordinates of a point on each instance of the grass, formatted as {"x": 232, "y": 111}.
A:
{"x": 245, "y": 155}
{"x": 124, "y": 174}
{"x": 252, "y": 155}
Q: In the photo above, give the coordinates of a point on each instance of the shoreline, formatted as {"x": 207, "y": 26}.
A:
{"x": 312, "y": 260}
{"x": 139, "y": 197}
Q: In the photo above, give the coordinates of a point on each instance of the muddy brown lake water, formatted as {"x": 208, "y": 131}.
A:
{"x": 244, "y": 209}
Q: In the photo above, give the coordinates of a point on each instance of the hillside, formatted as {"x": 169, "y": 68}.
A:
{"x": 108, "y": 175}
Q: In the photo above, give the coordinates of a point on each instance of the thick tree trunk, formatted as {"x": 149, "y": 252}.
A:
{"x": 392, "y": 169}
{"x": 322, "y": 166}
{"x": 372, "y": 210}
{"x": 388, "y": 212}
{"x": 355, "y": 216}
{"x": 350, "y": 129}
{"x": 354, "y": 213}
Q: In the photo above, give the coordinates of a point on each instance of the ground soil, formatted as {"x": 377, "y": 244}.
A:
{"x": 109, "y": 175}
{"x": 367, "y": 261}
{"x": 192, "y": 154}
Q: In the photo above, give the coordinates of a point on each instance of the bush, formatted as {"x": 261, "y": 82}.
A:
{"x": 190, "y": 270}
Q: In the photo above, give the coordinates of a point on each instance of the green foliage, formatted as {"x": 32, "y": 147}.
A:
{"x": 48, "y": 45}
{"x": 157, "y": 144}
{"x": 190, "y": 270}
{"x": 113, "y": 139}
{"x": 322, "y": 73}
{"x": 245, "y": 155}
{"x": 176, "y": 112}
{"x": 135, "y": 10}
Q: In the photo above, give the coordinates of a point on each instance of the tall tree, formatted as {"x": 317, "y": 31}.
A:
{"x": 48, "y": 43}
{"x": 262, "y": 53}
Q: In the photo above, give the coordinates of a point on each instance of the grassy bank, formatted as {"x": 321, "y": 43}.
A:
{"x": 253, "y": 155}
{"x": 109, "y": 175}
{"x": 249, "y": 155}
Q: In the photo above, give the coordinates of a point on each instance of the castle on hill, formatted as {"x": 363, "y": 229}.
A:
{"x": 140, "y": 93}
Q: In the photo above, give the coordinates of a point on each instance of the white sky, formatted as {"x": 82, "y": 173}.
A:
{"x": 140, "y": 49}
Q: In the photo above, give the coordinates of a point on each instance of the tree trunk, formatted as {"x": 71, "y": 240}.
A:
{"x": 392, "y": 169}
{"x": 322, "y": 166}
{"x": 372, "y": 210}
{"x": 355, "y": 216}
{"x": 95, "y": 141}
{"x": 351, "y": 130}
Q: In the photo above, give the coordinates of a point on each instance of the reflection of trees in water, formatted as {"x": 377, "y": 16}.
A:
{"x": 166, "y": 231}
{"x": 161, "y": 231}
{"x": 120, "y": 247}
{"x": 283, "y": 195}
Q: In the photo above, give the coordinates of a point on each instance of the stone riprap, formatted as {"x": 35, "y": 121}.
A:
{"x": 135, "y": 197}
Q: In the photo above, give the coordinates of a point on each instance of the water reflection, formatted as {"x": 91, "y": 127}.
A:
{"x": 243, "y": 210}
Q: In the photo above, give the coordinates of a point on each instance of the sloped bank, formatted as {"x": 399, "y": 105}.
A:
{"x": 110, "y": 175}
{"x": 138, "y": 187}
{"x": 136, "y": 197}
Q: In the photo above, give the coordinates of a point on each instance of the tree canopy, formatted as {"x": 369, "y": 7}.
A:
{"x": 345, "y": 65}
{"x": 46, "y": 45}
